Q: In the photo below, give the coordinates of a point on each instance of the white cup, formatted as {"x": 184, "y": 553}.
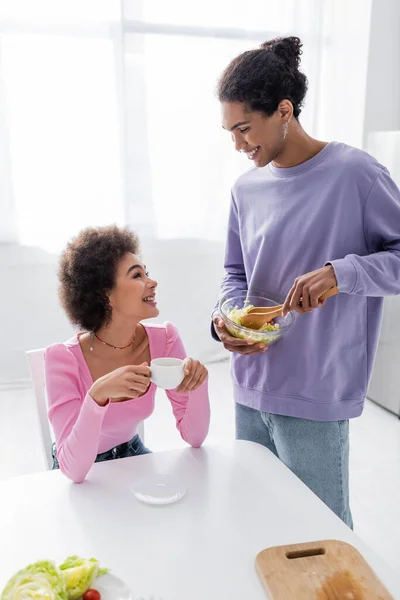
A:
{"x": 167, "y": 373}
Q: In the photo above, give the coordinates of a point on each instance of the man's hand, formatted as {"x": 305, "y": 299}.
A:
{"x": 307, "y": 289}
{"x": 235, "y": 344}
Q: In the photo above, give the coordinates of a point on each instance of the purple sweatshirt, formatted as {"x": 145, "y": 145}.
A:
{"x": 340, "y": 207}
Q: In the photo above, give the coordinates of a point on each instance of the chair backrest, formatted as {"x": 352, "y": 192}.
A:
{"x": 36, "y": 368}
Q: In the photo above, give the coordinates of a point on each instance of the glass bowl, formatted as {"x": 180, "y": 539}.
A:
{"x": 243, "y": 299}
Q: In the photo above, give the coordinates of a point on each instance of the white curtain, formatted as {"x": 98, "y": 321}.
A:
{"x": 108, "y": 114}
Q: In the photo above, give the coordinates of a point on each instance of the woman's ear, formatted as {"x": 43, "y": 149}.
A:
{"x": 110, "y": 295}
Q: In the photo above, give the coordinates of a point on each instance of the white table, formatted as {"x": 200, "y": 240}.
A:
{"x": 240, "y": 500}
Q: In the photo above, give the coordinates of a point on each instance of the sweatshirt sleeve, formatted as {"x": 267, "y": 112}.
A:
{"x": 76, "y": 420}
{"x": 235, "y": 279}
{"x": 377, "y": 273}
{"x": 191, "y": 409}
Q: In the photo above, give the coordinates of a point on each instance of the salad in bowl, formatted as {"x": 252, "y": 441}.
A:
{"x": 234, "y": 307}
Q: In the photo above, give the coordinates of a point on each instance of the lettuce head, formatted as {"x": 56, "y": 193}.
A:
{"x": 41, "y": 580}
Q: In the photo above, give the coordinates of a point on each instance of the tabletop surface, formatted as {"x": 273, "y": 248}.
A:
{"x": 240, "y": 499}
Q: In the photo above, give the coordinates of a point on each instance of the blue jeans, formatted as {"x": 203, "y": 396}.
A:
{"x": 134, "y": 447}
{"x": 317, "y": 452}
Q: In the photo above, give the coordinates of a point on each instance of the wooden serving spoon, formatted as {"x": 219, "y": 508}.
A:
{"x": 260, "y": 315}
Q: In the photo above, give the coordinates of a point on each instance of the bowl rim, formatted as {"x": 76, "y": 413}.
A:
{"x": 263, "y": 295}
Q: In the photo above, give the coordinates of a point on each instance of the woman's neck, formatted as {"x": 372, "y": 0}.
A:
{"x": 120, "y": 334}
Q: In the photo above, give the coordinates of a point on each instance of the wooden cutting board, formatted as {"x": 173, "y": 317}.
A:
{"x": 328, "y": 570}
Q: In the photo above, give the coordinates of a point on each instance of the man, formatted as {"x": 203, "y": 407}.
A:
{"x": 309, "y": 216}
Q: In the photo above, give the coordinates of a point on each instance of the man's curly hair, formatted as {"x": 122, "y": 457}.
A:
{"x": 87, "y": 272}
{"x": 263, "y": 77}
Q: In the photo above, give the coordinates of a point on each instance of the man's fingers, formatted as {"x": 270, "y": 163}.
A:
{"x": 305, "y": 299}
{"x": 287, "y": 303}
{"x": 236, "y": 345}
{"x": 307, "y": 289}
{"x": 295, "y": 303}
{"x": 218, "y": 322}
{"x": 232, "y": 341}
{"x": 314, "y": 297}
{"x": 225, "y": 337}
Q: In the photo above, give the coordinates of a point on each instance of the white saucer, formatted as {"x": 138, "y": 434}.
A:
{"x": 112, "y": 587}
{"x": 159, "y": 489}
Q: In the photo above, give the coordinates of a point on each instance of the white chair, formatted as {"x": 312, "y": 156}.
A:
{"x": 36, "y": 368}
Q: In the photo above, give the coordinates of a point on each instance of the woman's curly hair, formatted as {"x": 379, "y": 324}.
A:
{"x": 87, "y": 273}
{"x": 263, "y": 77}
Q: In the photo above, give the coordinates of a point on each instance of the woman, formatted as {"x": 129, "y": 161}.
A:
{"x": 308, "y": 216}
{"x": 98, "y": 383}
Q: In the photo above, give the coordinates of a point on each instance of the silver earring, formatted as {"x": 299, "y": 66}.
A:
{"x": 91, "y": 341}
{"x": 285, "y": 129}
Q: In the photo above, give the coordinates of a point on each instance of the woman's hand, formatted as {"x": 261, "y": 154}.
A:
{"x": 195, "y": 376}
{"x": 123, "y": 383}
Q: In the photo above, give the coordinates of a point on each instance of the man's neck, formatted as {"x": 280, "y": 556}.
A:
{"x": 299, "y": 147}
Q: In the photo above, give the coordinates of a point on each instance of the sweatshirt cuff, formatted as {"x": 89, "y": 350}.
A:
{"x": 346, "y": 274}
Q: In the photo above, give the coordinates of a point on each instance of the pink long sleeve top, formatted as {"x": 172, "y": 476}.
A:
{"x": 84, "y": 429}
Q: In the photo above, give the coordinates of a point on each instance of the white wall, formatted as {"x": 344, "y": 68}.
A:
{"x": 382, "y": 113}
{"x": 29, "y": 310}
{"x": 385, "y": 381}
{"x": 189, "y": 274}
{"x": 382, "y": 110}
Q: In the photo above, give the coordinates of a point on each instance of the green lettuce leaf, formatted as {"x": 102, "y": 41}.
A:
{"x": 79, "y": 575}
{"x": 41, "y": 580}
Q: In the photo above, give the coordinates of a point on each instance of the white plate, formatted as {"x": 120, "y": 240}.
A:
{"x": 159, "y": 489}
{"x": 112, "y": 587}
